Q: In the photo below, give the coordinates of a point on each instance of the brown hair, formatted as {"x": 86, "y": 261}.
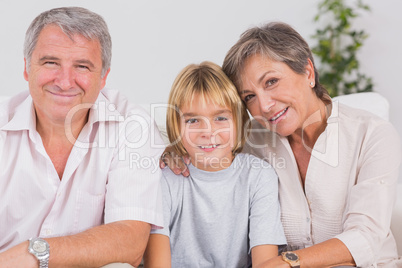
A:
{"x": 277, "y": 41}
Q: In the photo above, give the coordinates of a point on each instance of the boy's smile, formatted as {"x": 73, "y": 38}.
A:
{"x": 208, "y": 133}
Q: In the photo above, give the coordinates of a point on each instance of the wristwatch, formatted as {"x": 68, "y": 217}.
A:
{"x": 40, "y": 249}
{"x": 291, "y": 258}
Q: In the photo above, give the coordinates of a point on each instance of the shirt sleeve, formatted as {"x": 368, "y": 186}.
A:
{"x": 371, "y": 200}
{"x": 265, "y": 221}
{"x": 133, "y": 191}
{"x": 167, "y": 207}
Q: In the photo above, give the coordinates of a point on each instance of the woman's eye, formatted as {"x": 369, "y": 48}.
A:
{"x": 191, "y": 121}
{"x": 271, "y": 82}
{"x": 248, "y": 98}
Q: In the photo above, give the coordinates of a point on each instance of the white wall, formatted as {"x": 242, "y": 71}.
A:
{"x": 154, "y": 40}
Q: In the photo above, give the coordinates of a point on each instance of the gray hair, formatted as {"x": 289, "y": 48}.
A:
{"x": 277, "y": 41}
{"x": 71, "y": 20}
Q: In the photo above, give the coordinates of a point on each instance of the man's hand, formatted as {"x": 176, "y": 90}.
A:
{"x": 18, "y": 257}
{"x": 121, "y": 241}
{"x": 175, "y": 162}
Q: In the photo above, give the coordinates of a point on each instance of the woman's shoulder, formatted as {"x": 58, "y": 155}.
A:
{"x": 357, "y": 117}
{"x": 360, "y": 121}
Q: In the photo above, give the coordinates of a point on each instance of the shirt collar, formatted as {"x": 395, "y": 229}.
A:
{"x": 101, "y": 111}
{"x": 104, "y": 111}
{"x": 24, "y": 117}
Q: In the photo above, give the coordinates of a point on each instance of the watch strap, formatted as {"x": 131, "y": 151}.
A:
{"x": 44, "y": 263}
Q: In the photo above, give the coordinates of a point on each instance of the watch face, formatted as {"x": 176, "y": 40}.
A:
{"x": 39, "y": 246}
{"x": 291, "y": 256}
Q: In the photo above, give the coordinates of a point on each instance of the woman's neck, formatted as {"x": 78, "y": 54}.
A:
{"x": 314, "y": 125}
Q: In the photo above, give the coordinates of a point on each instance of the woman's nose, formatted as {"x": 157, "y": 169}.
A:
{"x": 266, "y": 105}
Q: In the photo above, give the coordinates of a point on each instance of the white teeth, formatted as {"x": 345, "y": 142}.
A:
{"x": 281, "y": 113}
{"x": 209, "y": 146}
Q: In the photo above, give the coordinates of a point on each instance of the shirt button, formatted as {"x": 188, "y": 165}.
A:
{"x": 308, "y": 219}
{"x": 308, "y": 238}
{"x": 382, "y": 181}
{"x": 48, "y": 232}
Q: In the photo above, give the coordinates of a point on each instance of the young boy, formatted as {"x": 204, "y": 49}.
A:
{"x": 228, "y": 207}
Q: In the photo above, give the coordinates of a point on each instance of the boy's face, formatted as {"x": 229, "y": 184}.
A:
{"x": 209, "y": 134}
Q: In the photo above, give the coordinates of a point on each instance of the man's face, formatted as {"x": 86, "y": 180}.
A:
{"x": 64, "y": 73}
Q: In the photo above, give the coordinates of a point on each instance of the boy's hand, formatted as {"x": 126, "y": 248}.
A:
{"x": 175, "y": 162}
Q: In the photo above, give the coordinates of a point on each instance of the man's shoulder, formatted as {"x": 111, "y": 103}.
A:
{"x": 9, "y": 106}
{"x": 119, "y": 102}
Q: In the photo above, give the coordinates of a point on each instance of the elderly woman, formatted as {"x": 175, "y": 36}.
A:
{"x": 337, "y": 166}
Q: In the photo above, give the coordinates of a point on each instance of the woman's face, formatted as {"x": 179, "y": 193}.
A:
{"x": 277, "y": 97}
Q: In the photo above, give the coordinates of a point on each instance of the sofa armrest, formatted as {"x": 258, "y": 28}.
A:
{"x": 396, "y": 223}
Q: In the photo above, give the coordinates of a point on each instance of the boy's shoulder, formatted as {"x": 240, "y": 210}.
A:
{"x": 250, "y": 161}
{"x": 254, "y": 168}
{"x": 170, "y": 177}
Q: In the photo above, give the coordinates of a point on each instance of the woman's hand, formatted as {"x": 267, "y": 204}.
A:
{"x": 176, "y": 163}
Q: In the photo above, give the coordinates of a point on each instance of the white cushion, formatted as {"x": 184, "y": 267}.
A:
{"x": 369, "y": 101}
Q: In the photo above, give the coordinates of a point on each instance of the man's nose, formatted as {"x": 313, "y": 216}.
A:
{"x": 65, "y": 78}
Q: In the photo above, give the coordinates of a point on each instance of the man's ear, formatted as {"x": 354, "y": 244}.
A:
{"x": 103, "y": 83}
{"x": 25, "y": 69}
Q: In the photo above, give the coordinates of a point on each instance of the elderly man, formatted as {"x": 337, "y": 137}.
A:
{"x": 69, "y": 193}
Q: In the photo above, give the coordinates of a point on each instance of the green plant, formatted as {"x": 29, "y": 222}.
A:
{"x": 337, "y": 48}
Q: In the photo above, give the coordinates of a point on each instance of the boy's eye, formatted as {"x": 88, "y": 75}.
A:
{"x": 221, "y": 118}
{"x": 191, "y": 121}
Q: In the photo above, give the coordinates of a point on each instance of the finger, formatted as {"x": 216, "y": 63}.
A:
{"x": 187, "y": 159}
{"x": 186, "y": 172}
{"x": 162, "y": 164}
{"x": 173, "y": 162}
{"x": 181, "y": 165}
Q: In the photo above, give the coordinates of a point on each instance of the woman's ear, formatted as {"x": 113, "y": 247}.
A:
{"x": 310, "y": 70}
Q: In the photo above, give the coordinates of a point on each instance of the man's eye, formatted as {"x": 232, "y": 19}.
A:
{"x": 83, "y": 67}
{"x": 50, "y": 63}
{"x": 191, "y": 121}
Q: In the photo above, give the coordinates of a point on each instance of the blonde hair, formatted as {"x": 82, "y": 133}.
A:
{"x": 208, "y": 81}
